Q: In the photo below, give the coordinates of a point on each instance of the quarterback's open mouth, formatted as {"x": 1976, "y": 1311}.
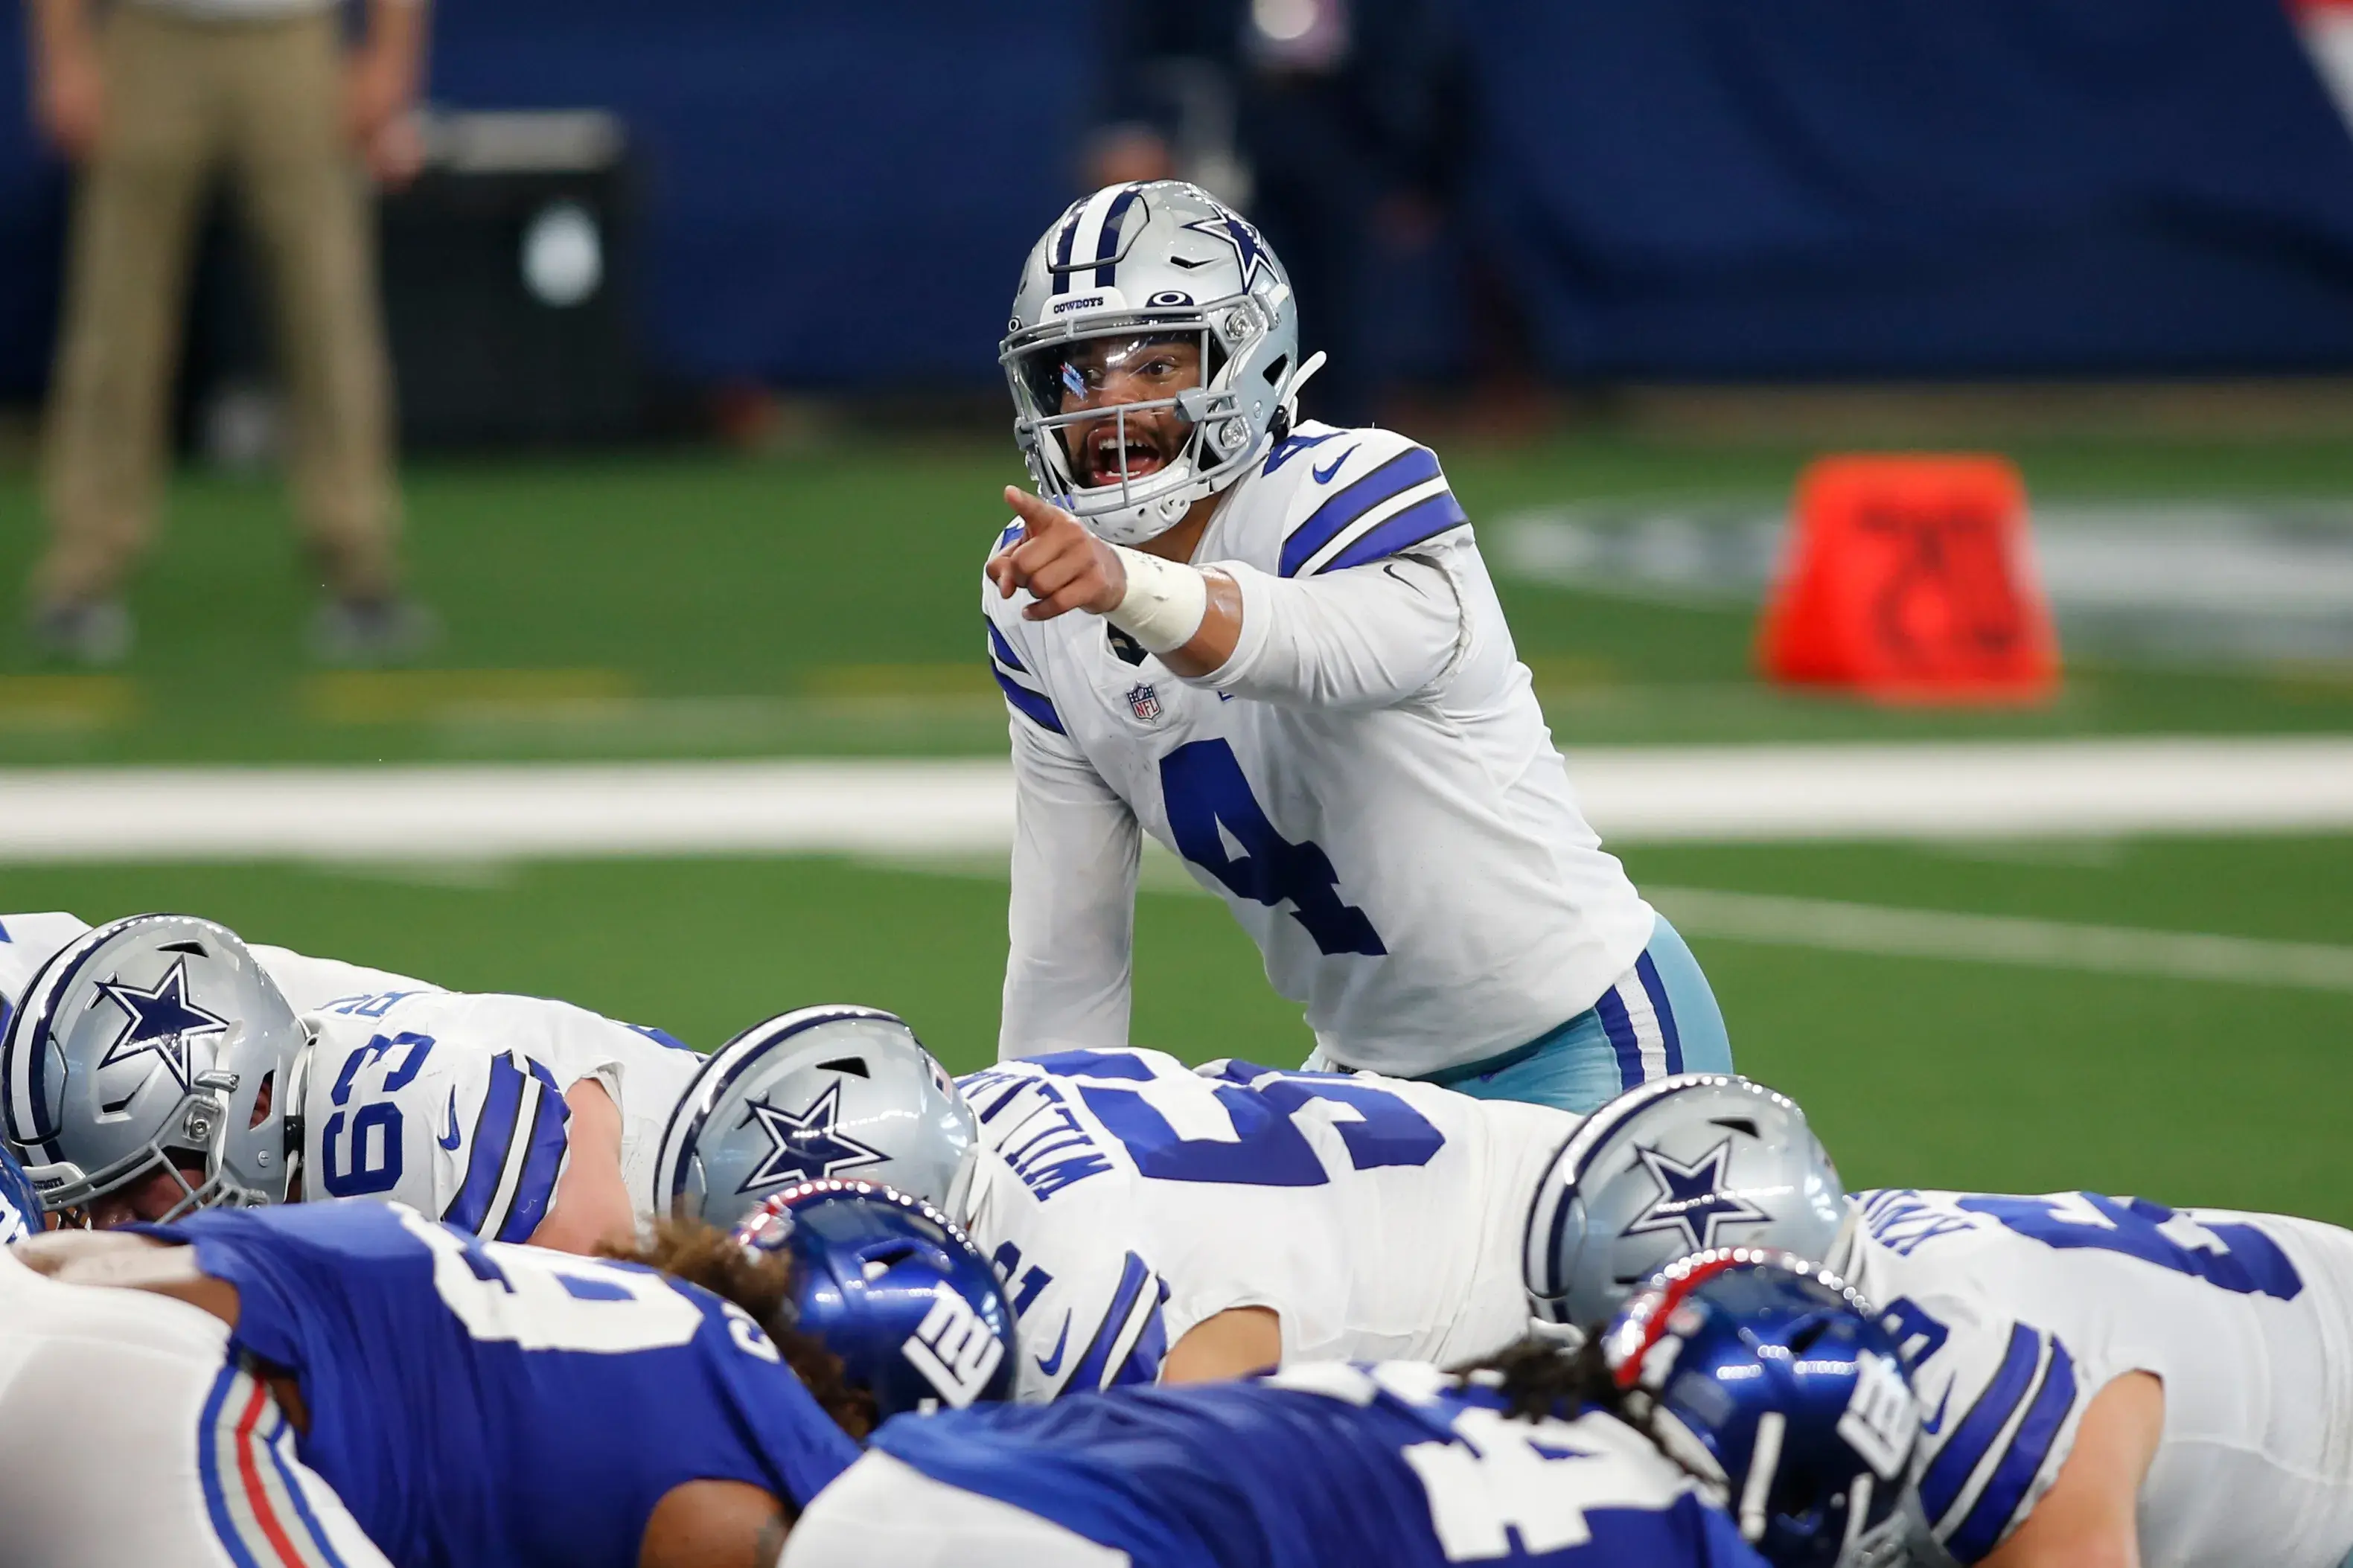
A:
{"x": 1110, "y": 459}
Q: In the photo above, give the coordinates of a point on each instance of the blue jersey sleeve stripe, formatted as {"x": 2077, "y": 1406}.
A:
{"x": 1655, "y": 988}
{"x": 1425, "y": 519}
{"x": 2006, "y": 1489}
{"x": 1950, "y": 1471}
{"x": 1619, "y": 1026}
{"x": 487, "y": 1150}
{"x": 1414, "y": 466}
{"x": 1003, "y": 649}
{"x": 1092, "y": 1366}
{"x": 1031, "y": 705}
{"x": 322, "y": 1548}
{"x": 1143, "y": 1363}
{"x": 542, "y": 1161}
{"x": 209, "y": 1467}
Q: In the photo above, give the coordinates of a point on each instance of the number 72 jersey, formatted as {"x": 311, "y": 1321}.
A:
{"x": 2016, "y": 1311}
{"x": 1125, "y": 1198}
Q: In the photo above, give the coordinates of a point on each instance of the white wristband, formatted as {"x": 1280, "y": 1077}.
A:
{"x": 1164, "y": 604}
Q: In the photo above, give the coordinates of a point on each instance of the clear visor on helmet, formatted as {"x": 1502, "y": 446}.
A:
{"x": 1111, "y": 408}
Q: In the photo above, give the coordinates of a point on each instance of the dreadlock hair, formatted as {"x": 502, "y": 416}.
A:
{"x": 762, "y": 1285}
{"x": 1540, "y": 1378}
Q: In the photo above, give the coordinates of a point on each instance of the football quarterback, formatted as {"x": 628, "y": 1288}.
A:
{"x": 1326, "y": 718}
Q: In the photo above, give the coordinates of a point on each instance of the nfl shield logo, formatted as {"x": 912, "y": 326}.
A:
{"x": 1143, "y": 702}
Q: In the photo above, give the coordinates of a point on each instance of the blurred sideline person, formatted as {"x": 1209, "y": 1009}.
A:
{"x": 152, "y": 100}
{"x": 2103, "y": 1381}
{"x": 1326, "y": 719}
{"x": 1745, "y": 1410}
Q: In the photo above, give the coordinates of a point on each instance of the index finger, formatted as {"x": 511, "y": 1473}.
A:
{"x": 1033, "y": 509}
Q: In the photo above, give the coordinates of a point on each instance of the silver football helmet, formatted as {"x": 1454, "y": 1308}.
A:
{"x": 820, "y": 1092}
{"x": 1685, "y": 1164}
{"x": 150, "y": 1045}
{"x": 1140, "y": 264}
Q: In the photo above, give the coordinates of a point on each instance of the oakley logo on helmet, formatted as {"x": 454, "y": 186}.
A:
{"x": 160, "y": 1020}
{"x": 1691, "y": 1198}
{"x": 803, "y": 1146}
{"x": 1170, "y": 298}
{"x": 956, "y": 1351}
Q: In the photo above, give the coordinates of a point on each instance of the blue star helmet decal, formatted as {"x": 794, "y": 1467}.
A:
{"x": 1692, "y": 1198}
{"x": 804, "y": 1147}
{"x": 1231, "y": 228}
{"x": 161, "y": 1020}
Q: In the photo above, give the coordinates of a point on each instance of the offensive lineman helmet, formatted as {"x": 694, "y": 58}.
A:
{"x": 145, "y": 1045}
{"x": 892, "y": 1287}
{"x": 819, "y": 1092}
{"x": 1680, "y": 1165}
{"x": 1129, "y": 266}
{"x": 1772, "y": 1378}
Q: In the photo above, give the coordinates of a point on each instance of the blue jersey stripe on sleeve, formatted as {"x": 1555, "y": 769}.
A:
{"x": 487, "y": 1150}
{"x": 1003, "y": 649}
{"x": 1941, "y": 1488}
{"x": 211, "y": 1464}
{"x": 1414, "y": 466}
{"x": 542, "y": 1161}
{"x": 322, "y": 1548}
{"x": 1141, "y": 1366}
{"x": 1655, "y": 988}
{"x": 1619, "y": 1026}
{"x": 1092, "y": 1366}
{"x": 2006, "y": 1489}
{"x": 1425, "y": 519}
{"x": 1032, "y": 705}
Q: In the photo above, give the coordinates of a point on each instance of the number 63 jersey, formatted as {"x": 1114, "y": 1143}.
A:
{"x": 1125, "y": 1198}
{"x": 2015, "y": 1312}
{"x": 453, "y": 1102}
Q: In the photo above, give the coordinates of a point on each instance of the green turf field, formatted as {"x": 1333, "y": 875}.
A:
{"x": 697, "y": 605}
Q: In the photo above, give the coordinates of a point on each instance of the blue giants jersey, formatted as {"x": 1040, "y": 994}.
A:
{"x": 20, "y": 1205}
{"x": 1329, "y": 1466}
{"x": 474, "y": 1402}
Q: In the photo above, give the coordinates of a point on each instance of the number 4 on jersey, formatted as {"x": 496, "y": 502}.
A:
{"x": 1203, "y": 785}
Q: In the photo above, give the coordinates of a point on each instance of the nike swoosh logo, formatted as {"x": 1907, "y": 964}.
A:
{"x": 1324, "y": 472}
{"x": 1051, "y": 1365}
{"x": 1932, "y": 1428}
{"x": 451, "y": 1138}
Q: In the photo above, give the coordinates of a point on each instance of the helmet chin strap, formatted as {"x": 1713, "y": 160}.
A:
{"x": 1288, "y": 397}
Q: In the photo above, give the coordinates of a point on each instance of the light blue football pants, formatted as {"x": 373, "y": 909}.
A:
{"x": 1661, "y": 1019}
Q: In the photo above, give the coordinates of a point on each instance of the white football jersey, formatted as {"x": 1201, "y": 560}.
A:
{"x": 1125, "y": 1197}
{"x": 27, "y": 942}
{"x": 453, "y": 1102}
{"x": 2016, "y": 1311}
{"x": 1368, "y": 783}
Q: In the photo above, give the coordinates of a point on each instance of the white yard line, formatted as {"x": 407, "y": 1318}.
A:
{"x": 1731, "y": 793}
{"x": 2001, "y": 939}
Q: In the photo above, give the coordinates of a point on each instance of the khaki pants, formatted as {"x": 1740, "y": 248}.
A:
{"x": 186, "y": 100}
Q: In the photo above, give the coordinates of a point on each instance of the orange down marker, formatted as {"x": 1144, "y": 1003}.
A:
{"x": 1909, "y": 579}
